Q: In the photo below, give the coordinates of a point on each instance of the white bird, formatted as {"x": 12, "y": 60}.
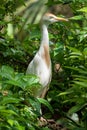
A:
{"x": 41, "y": 63}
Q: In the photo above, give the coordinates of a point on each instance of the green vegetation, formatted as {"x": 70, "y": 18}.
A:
{"x": 19, "y": 41}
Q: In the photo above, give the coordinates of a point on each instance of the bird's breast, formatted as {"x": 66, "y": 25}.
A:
{"x": 44, "y": 73}
{"x": 44, "y": 64}
{"x": 46, "y": 55}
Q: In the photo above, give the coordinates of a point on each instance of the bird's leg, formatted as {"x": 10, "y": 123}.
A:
{"x": 43, "y": 94}
{"x": 42, "y": 120}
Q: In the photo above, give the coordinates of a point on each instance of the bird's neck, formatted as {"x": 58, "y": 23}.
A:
{"x": 45, "y": 36}
{"x": 44, "y": 48}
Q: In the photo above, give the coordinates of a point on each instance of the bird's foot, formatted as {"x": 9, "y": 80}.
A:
{"x": 42, "y": 121}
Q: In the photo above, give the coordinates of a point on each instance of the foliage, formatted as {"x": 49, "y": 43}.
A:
{"x": 70, "y": 83}
{"x": 19, "y": 109}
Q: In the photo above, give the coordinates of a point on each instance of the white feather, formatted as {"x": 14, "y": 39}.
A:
{"x": 38, "y": 67}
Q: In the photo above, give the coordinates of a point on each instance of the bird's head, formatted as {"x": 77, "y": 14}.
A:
{"x": 49, "y": 18}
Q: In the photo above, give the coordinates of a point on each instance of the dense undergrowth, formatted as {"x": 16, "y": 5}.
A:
{"x": 67, "y": 95}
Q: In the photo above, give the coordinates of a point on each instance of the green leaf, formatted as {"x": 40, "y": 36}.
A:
{"x": 7, "y": 112}
{"x": 84, "y": 9}
{"x": 19, "y": 126}
{"x": 11, "y": 122}
{"x": 7, "y": 72}
{"x": 7, "y": 100}
{"x": 74, "y": 49}
{"x": 31, "y": 79}
{"x": 15, "y": 83}
{"x": 46, "y": 103}
{"x": 77, "y": 108}
{"x": 85, "y": 51}
{"x": 25, "y": 82}
{"x": 81, "y": 84}
{"x": 16, "y": 124}
{"x": 2, "y": 107}
{"x": 65, "y": 93}
{"x": 58, "y": 49}
{"x": 35, "y": 104}
{"x": 78, "y": 17}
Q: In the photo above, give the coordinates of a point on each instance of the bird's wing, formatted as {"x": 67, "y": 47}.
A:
{"x": 38, "y": 67}
{"x": 33, "y": 65}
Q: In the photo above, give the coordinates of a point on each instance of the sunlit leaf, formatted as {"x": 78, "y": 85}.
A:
{"x": 85, "y": 51}
{"x": 83, "y": 84}
{"x": 78, "y": 17}
{"x": 46, "y": 103}
{"x": 11, "y": 122}
{"x": 65, "y": 93}
{"x": 84, "y": 9}
{"x": 7, "y": 112}
{"x": 7, "y": 100}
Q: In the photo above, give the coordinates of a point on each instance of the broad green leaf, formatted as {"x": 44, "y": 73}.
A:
{"x": 10, "y": 121}
{"x": 25, "y": 82}
{"x": 31, "y": 79}
{"x": 16, "y": 124}
{"x": 46, "y": 103}
{"x": 7, "y": 112}
{"x": 78, "y": 17}
{"x": 84, "y": 9}
{"x": 19, "y": 126}
{"x": 85, "y": 51}
{"x": 7, "y": 72}
{"x": 15, "y": 83}
{"x": 7, "y": 100}
{"x": 35, "y": 104}
{"x": 58, "y": 49}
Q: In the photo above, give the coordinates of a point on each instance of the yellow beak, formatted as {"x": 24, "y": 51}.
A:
{"x": 61, "y": 19}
